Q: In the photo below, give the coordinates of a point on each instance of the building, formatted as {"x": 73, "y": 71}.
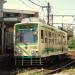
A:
{"x": 14, "y": 15}
{"x": 10, "y": 17}
{"x": 1, "y": 7}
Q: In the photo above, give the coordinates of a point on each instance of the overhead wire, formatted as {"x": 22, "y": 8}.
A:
{"x": 63, "y": 9}
{"x": 40, "y": 6}
{"x": 40, "y": 2}
{"x": 26, "y": 4}
{"x": 35, "y": 3}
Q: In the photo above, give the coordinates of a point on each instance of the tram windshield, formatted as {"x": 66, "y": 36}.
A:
{"x": 27, "y": 33}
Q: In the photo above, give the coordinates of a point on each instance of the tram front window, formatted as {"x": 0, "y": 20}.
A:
{"x": 27, "y": 34}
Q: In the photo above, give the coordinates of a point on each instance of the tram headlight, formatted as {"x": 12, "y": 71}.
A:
{"x": 18, "y": 50}
{"x": 34, "y": 53}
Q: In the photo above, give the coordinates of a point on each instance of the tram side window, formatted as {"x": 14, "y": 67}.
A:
{"x": 49, "y": 40}
{"x": 49, "y": 34}
{"x": 46, "y": 40}
{"x": 41, "y": 34}
{"x": 63, "y": 36}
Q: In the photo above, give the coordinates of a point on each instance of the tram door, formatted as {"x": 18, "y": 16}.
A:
{"x": 9, "y": 41}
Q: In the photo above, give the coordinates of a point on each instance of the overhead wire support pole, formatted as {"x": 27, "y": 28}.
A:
{"x": 48, "y": 12}
{"x": 52, "y": 19}
{"x": 48, "y": 9}
{"x": 62, "y": 22}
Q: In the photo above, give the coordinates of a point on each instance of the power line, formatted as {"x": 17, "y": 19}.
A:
{"x": 48, "y": 9}
{"x": 25, "y": 4}
{"x": 63, "y": 9}
{"x": 35, "y": 3}
{"x": 39, "y": 1}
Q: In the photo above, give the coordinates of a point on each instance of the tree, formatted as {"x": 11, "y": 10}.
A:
{"x": 71, "y": 43}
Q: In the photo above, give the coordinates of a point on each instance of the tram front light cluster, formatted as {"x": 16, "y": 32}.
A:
{"x": 18, "y": 50}
{"x": 34, "y": 53}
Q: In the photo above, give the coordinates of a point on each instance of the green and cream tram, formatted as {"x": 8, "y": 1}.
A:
{"x": 35, "y": 39}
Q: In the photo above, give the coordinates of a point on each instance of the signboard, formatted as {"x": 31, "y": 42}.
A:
{"x": 11, "y": 19}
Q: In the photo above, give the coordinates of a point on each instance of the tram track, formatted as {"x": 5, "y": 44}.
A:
{"x": 58, "y": 69}
{"x": 48, "y": 70}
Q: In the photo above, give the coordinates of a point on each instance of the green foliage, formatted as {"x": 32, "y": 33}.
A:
{"x": 71, "y": 43}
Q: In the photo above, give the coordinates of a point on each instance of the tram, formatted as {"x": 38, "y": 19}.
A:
{"x": 34, "y": 39}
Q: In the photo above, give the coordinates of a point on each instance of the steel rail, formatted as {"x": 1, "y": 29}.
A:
{"x": 60, "y": 68}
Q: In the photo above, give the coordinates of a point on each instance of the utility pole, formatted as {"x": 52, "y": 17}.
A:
{"x": 52, "y": 19}
{"x": 48, "y": 9}
{"x": 48, "y": 12}
{"x": 62, "y": 23}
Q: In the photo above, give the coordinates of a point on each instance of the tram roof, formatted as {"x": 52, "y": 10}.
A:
{"x": 32, "y": 20}
{"x": 39, "y": 21}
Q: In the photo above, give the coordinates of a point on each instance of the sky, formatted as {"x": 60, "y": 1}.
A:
{"x": 58, "y": 7}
